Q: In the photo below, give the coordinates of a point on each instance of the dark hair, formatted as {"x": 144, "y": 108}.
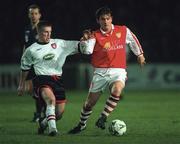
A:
{"x": 103, "y": 11}
{"x": 43, "y": 24}
{"x": 34, "y": 6}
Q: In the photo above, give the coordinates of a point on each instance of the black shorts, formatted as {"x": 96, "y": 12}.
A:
{"x": 55, "y": 83}
{"x": 31, "y": 74}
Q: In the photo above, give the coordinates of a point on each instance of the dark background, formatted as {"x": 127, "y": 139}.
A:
{"x": 155, "y": 23}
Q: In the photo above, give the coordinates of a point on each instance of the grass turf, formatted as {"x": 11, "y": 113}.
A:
{"x": 152, "y": 117}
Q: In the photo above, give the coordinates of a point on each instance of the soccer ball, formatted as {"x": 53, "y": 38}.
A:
{"x": 117, "y": 127}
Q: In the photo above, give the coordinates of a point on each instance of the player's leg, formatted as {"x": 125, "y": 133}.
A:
{"x": 39, "y": 109}
{"x": 115, "y": 92}
{"x": 59, "y": 110}
{"x": 98, "y": 84}
{"x": 29, "y": 89}
{"x": 38, "y": 105}
{"x": 59, "y": 92}
{"x": 86, "y": 112}
{"x": 59, "y": 96}
{"x": 88, "y": 106}
{"x": 50, "y": 120}
{"x": 60, "y": 107}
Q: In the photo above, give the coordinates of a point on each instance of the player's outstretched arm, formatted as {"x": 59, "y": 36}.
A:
{"x": 87, "y": 43}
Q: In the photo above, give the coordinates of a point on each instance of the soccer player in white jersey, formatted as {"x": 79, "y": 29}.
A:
{"x": 108, "y": 48}
{"x": 47, "y": 57}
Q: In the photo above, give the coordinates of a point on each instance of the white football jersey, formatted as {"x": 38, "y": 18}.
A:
{"x": 48, "y": 59}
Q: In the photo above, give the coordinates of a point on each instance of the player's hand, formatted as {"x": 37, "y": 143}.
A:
{"x": 20, "y": 90}
{"x": 87, "y": 34}
{"x": 141, "y": 60}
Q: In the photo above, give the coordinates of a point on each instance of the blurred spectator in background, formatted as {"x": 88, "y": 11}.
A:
{"x": 30, "y": 37}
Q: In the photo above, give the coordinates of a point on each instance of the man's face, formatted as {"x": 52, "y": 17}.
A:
{"x": 105, "y": 22}
{"x": 44, "y": 34}
{"x": 34, "y": 15}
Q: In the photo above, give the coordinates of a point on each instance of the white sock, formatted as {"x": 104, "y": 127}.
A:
{"x": 51, "y": 118}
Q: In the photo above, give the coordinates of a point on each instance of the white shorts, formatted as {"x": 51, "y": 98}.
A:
{"x": 104, "y": 77}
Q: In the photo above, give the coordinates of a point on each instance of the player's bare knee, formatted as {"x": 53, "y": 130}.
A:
{"x": 116, "y": 90}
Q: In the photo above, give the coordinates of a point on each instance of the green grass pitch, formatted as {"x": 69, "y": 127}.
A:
{"x": 152, "y": 117}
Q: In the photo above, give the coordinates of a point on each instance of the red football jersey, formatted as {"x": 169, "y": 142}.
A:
{"x": 110, "y": 49}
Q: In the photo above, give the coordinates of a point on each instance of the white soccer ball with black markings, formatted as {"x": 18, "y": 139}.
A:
{"x": 117, "y": 127}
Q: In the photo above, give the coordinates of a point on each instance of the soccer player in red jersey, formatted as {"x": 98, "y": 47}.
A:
{"x": 108, "y": 47}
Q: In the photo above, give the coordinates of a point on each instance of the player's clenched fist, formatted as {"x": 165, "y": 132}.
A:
{"x": 87, "y": 34}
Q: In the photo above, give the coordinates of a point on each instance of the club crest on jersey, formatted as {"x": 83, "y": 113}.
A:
{"x": 107, "y": 45}
{"x": 118, "y": 35}
{"x": 53, "y": 45}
